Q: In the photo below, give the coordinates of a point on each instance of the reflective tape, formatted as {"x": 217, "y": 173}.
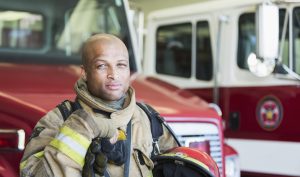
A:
{"x": 72, "y": 144}
{"x": 22, "y": 164}
{"x": 37, "y": 155}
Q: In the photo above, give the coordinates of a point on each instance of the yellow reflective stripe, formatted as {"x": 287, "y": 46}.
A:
{"x": 22, "y": 164}
{"x": 37, "y": 155}
{"x": 72, "y": 144}
{"x": 76, "y": 136}
{"x": 64, "y": 148}
{"x": 187, "y": 158}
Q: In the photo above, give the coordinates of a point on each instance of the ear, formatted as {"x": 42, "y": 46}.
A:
{"x": 83, "y": 73}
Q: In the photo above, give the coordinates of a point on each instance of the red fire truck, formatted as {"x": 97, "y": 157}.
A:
{"x": 40, "y": 43}
{"x": 245, "y": 56}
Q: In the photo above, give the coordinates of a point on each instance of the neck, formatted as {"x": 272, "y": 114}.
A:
{"x": 117, "y": 104}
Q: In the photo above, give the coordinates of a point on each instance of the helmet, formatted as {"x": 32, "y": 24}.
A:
{"x": 184, "y": 162}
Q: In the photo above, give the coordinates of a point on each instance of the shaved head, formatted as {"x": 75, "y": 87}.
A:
{"x": 102, "y": 40}
{"x": 106, "y": 66}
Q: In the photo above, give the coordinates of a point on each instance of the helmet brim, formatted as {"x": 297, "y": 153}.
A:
{"x": 169, "y": 164}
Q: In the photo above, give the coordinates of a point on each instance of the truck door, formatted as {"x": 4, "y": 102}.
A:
{"x": 183, "y": 54}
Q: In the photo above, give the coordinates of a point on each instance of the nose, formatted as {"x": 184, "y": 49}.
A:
{"x": 111, "y": 73}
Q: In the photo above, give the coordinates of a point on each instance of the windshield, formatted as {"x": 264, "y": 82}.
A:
{"x": 54, "y": 31}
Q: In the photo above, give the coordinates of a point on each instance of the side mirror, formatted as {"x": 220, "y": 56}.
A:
{"x": 260, "y": 67}
{"x": 267, "y": 40}
{"x": 267, "y": 31}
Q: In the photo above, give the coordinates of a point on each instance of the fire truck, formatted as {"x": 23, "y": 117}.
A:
{"x": 40, "y": 42}
{"x": 244, "y": 56}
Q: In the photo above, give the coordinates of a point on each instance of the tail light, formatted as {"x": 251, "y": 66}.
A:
{"x": 11, "y": 139}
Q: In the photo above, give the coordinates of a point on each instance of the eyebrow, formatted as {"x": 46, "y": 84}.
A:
{"x": 99, "y": 59}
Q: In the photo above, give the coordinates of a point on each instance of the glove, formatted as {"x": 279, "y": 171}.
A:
{"x": 101, "y": 151}
{"x": 95, "y": 160}
{"x": 101, "y": 127}
{"x": 100, "y": 163}
{"x": 107, "y": 127}
{"x": 116, "y": 153}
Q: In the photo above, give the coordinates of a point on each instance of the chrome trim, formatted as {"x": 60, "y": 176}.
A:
{"x": 21, "y": 141}
{"x": 216, "y": 108}
{"x": 20, "y": 133}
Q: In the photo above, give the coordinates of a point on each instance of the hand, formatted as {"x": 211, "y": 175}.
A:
{"x": 102, "y": 127}
{"x": 116, "y": 153}
{"x": 90, "y": 157}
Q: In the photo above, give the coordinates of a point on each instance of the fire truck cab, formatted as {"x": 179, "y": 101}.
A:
{"x": 40, "y": 42}
{"x": 245, "y": 56}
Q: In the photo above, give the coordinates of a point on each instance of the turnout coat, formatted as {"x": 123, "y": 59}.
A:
{"x": 58, "y": 148}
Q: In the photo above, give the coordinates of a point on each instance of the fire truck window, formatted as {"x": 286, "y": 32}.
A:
{"x": 296, "y": 39}
{"x": 285, "y": 51}
{"x": 204, "y": 53}
{"x": 173, "y": 50}
{"x": 99, "y": 17}
{"x": 247, "y": 38}
{"x": 21, "y": 30}
{"x": 56, "y": 34}
{"x": 104, "y": 18}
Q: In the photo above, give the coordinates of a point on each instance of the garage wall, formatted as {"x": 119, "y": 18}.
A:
{"x": 150, "y": 5}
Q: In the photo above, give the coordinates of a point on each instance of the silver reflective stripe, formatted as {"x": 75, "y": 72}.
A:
{"x": 72, "y": 144}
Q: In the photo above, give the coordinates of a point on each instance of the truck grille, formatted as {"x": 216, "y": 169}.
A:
{"x": 200, "y": 132}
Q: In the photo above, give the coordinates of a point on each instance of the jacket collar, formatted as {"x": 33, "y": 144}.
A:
{"x": 124, "y": 114}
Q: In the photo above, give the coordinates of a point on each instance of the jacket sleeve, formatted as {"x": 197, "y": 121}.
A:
{"x": 60, "y": 147}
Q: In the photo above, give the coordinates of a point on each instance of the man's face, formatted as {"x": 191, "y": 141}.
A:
{"x": 107, "y": 70}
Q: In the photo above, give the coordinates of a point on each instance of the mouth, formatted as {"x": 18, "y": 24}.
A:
{"x": 113, "y": 86}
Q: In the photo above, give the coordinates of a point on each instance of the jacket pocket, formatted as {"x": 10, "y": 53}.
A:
{"x": 143, "y": 162}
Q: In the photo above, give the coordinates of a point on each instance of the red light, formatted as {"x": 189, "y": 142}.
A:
{"x": 201, "y": 145}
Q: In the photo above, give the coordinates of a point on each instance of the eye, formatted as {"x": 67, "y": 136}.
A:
{"x": 122, "y": 65}
{"x": 101, "y": 66}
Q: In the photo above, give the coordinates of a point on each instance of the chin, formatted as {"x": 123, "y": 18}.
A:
{"x": 113, "y": 97}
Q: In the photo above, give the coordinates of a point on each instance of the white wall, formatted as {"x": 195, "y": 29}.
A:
{"x": 150, "y": 5}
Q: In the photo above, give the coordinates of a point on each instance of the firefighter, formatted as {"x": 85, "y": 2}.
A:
{"x": 107, "y": 134}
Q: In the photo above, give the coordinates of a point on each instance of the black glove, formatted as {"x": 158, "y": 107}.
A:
{"x": 102, "y": 151}
{"x": 100, "y": 163}
{"x": 116, "y": 153}
{"x": 95, "y": 160}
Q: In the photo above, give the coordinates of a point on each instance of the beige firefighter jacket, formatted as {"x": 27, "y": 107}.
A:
{"x": 58, "y": 147}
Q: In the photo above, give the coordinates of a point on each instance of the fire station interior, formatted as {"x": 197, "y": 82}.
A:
{"x": 246, "y": 94}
